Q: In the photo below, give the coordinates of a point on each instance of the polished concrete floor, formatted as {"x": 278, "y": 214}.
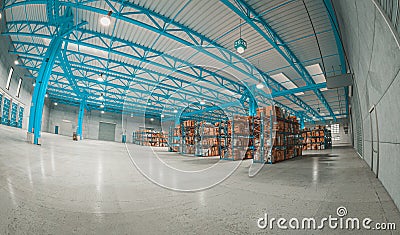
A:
{"x": 95, "y": 187}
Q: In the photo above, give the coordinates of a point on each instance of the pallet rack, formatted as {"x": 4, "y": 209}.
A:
{"x": 174, "y": 139}
{"x": 149, "y": 137}
{"x": 318, "y": 138}
{"x": 199, "y": 138}
{"x": 269, "y": 137}
{"x": 188, "y": 128}
{"x": 236, "y": 139}
{"x": 279, "y": 138}
{"x": 207, "y": 140}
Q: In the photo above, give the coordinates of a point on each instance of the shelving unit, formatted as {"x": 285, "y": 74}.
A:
{"x": 174, "y": 139}
{"x": 207, "y": 140}
{"x": 188, "y": 137}
{"x": 149, "y": 137}
{"x": 318, "y": 138}
{"x": 269, "y": 137}
{"x": 236, "y": 139}
{"x": 279, "y": 138}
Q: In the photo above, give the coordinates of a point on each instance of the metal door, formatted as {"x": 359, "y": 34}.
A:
{"x": 107, "y": 131}
{"x": 373, "y": 115}
{"x": 56, "y": 130}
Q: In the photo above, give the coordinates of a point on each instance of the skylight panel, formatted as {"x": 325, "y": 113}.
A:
{"x": 316, "y": 73}
{"x": 286, "y": 82}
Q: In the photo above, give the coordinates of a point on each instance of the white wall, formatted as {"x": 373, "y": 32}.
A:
{"x": 374, "y": 57}
{"x": 66, "y": 117}
{"x": 24, "y": 100}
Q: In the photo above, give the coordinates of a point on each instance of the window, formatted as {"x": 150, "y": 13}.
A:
{"x": 335, "y": 128}
{"x": 9, "y": 78}
{"x": 19, "y": 87}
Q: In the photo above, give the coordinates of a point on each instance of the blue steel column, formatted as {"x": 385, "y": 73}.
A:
{"x": 36, "y": 110}
{"x": 252, "y": 107}
{"x": 80, "y": 119}
{"x": 301, "y": 122}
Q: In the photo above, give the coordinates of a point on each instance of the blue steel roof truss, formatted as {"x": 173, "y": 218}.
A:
{"x": 139, "y": 53}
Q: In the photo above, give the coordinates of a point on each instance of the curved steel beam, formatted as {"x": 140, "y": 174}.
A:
{"x": 246, "y": 12}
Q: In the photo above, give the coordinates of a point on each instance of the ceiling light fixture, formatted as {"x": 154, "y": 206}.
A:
{"x": 16, "y": 62}
{"x": 101, "y": 97}
{"x": 162, "y": 115}
{"x": 56, "y": 104}
{"x": 46, "y": 95}
{"x": 100, "y": 78}
{"x": 151, "y": 119}
{"x": 260, "y": 86}
{"x": 202, "y": 102}
{"x": 106, "y": 20}
{"x": 175, "y": 111}
{"x": 102, "y": 111}
{"x": 102, "y": 105}
{"x": 240, "y": 44}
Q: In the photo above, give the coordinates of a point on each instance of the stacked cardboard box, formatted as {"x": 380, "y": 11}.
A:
{"x": 237, "y": 138}
{"x": 149, "y": 137}
{"x": 317, "y": 138}
{"x": 207, "y": 136}
{"x": 188, "y": 143}
{"x": 284, "y": 136}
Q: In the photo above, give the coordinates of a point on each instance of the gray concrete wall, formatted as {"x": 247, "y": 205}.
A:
{"x": 66, "y": 117}
{"x": 375, "y": 60}
{"x": 6, "y": 62}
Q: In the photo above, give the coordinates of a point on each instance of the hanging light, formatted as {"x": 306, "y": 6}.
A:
{"x": 131, "y": 115}
{"x": 175, "y": 111}
{"x": 46, "y": 95}
{"x": 106, "y": 20}
{"x": 162, "y": 116}
{"x": 260, "y": 86}
{"x": 240, "y": 44}
{"x": 101, "y": 97}
{"x": 202, "y": 102}
{"x": 151, "y": 119}
{"x": 102, "y": 111}
{"x": 102, "y": 105}
{"x": 55, "y": 104}
{"x": 100, "y": 78}
{"x": 16, "y": 62}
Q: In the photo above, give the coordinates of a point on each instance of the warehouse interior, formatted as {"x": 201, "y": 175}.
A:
{"x": 198, "y": 117}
